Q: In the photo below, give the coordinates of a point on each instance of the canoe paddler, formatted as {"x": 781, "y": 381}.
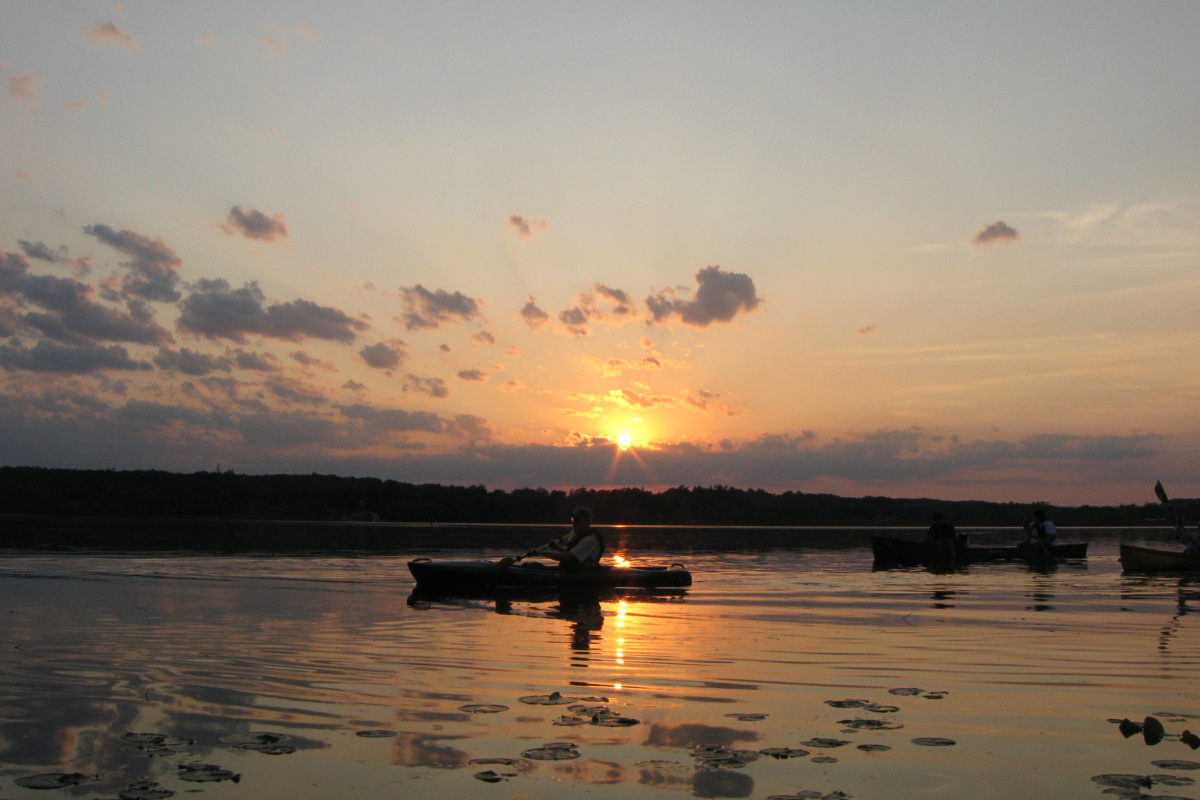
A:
{"x": 581, "y": 547}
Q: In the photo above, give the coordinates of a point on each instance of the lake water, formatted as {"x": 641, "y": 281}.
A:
{"x": 997, "y": 682}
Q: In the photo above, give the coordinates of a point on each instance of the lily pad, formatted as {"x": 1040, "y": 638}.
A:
{"x": 821, "y": 741}
{"x": 876, "y": 708}
{"x": 747, "y": 717}
{"x": 1152, "y": 730}
{"x": 611, "y": 719}
{"x": 784, "y": 752}
{"x": 206, "y": 773}
{"x": 483, "y": 708}
{"x": 491, "y": 776}
{"x": 504, "y": 762}
{"x": 567, "y": 720}
{"x": 552, "y": 753}
{"x": 145, "y": 790}
{"x": 847, "y": 703}
{"x": 552, "y": 699}
{"x": 874, "y": 748}
{"x": 1128, "y": 728}
{"x": 870, "y": 724}
{"x": 906, "y": 692}
{"x": 52, "y": 780}
{"x": 260, "y": 743}
{"x": 1190, "y": 739}
{"x": 824, "y": 760}
{"x": 934, "y": 741}
{"x": 934, "y": 695}
{"x": 1173, "y": 764}
{"x": 376, "y": 733}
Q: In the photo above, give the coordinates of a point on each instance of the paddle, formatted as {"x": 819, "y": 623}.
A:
{"x": 1180, "y": 528}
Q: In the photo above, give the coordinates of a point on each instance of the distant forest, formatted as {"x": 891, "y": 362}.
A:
{"x": 227, "y": 495}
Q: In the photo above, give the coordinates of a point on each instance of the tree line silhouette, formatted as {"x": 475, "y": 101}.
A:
{"x": 228, "y": 495}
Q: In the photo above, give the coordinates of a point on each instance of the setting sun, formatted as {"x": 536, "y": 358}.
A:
{"x": 624, "y": 440}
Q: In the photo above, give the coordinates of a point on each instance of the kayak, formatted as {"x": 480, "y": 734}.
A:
{"x": 491, "y": 575}
{"x": 888, "y": 550}
{"x": 1144, "y": 559}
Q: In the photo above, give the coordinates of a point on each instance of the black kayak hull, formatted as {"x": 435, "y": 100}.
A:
{"x": 488, "y": 575}
{"x": 888, "y": 550}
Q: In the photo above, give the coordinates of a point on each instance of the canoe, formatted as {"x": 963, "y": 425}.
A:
{"x": 490, "y": 575}
{"x": 1144, "y": 559}
{"x": 888, "y": 550}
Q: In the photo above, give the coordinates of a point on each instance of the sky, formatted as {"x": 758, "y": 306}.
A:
{"x": 936, "y": 250}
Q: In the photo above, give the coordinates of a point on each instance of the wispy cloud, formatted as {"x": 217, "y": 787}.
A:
{"x": 527, "y": 228}
{"x": 107, "y": 33}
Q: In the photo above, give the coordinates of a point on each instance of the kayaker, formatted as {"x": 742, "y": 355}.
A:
{"x": 1041, "y": 529}
{"x": 581, "y": 547}
{"x": 1189, "y": 538}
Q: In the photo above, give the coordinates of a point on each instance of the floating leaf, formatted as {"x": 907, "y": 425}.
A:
{"x": 1173, "y": 764}
{"x": 876, "y": 708}
{"x": 1152, "y": 730}
{"x": 784, "y": 752}
{"x": 803, "y": 794}
{"x": 504, "y": 762}
{"x": 823, "y": 742}
{"x": 873, "y": 748}
{"x": 551, "y": 754}
{"x": 483, "y": 708}
{"x": 587, "y": 710}
{"x": 904, "y": 692}
{"x": 376, "y": 733}
{"x": 52, "y": 780}
{"x": 1128, "y": 728}
{"x": 847, "y": 703}
{"x": 145, "y": 790}
{"x": 824, "y": 760}
{"x": 1190, "y": 739}
{"x": 747, "y": 717}
{"x": 569, "y": 720}
{"x": 491, "y": 776}
{"x": 206, "y": 773}
{"x": 267, "y": 743}
{"x": 552, "y": 699}
{"x": 934, "y": 741}
{"x": 611, "y": 719}
{"x": 870, "y": 724}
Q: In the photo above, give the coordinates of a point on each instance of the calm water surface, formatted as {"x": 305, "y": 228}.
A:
{"x": 1021, "y": 670}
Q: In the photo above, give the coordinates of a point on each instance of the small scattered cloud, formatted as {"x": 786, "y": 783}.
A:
{"x": 720, "y": 297}
{"x": 426, "y": 310}
{"x": 473, "y": 375}
{"x": 216, "y": 310}
{"x": 483, "y": 337}
{"x": 306, "y": 31}
{"x": 384, "y": 355}
{"x": 255, "y": 225}
{"x": 309, "y": 362}
{"x": 191, "y": 362}
{"x": 527, "y": 228}
{"x": 434, "y": 387}
{"x": 43, "y": 252}
{"x": 864, "y": 330}
{"x": 107, "y": 33}
{"x": 534, "y": 317}
{"x": 258, "y": 362}
{"x": 511, "y": 386}
{"x": 68, "y": 359}
{"x": 998, "y": 231}
{"x": 23, "y": 88}
{"x": 272, "y": 47}
{"x": 600, "y": 304}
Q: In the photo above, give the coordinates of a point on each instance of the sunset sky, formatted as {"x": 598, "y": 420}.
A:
{"x": 927, "y": 250}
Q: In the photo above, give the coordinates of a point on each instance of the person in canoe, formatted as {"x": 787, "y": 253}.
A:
{"x": 1191, "y": 539}
{"x": 1041, "y": 529}
{"x": 581, "y": 547}
{"x": 940, "y": 530}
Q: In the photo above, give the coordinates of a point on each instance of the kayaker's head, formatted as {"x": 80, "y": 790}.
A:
{"x": 581, "y": 518}
{"x": 1039, "y": 515}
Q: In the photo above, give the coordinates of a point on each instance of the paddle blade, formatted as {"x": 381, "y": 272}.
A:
{"x": 1160, "y": 491}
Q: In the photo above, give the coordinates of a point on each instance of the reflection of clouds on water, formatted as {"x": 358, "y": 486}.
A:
{"x": 721, "y": 783}
{"x": 422, "y": 750}
{"x": 691, "y": 734}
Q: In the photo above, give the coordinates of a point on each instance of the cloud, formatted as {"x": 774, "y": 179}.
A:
{"x": 534, "y": 317}
{"x": 272, "y": 47}
{"x": 613, "y": 367}
{"x": 190, "y": 362}
{"x": 426, "y": 310}
{"x": 864, "y": 330}
{"x": 483, "y": 337}
{"x": 719, "y": 298}
{"x": 511, "y": 386}
{"x": 42, "y": 251}
{"x": 599, "y": 304}
{"x": 395, "y": 420}
{"x": 109, "y": 33}
{"x": 305, "y": 360}
{"x": 74, "y": 316}
{"x": 434, "y": 387}
{"x": 258, "y": 362}
{"x": 630, "y": 399}
{"x": 527, "y": 228}
{"x": 154, "y": 268}
{"x": 384, "y": 355}
{"x": 473, "y": 375}
{"x": 255, "y": 225}
{"x": 48, "y": 356}
{"x": 998, "y": 231}
{"x": 217, "y": 311}
{"x": 23, "y": 88}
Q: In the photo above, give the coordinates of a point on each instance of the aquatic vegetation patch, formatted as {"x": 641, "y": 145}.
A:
{"x": 823, "y": 760}
{"x": 483, "y": 708}
{"x": 870, "y": 724}
{"x": 53, "y": 780}
{"x": 847, "y": 703}
{"x": 267, "y": 743}
{"x": 553, "y": 751}
{"x": 552, "y": 699}
{"x": 1173, "y": 764}
{"x": 715, "y": 756}
{"x": 491, "y": 776}
{"x": 784, "y": 752}
{"x": 567, "y": 720}
{"x": 145, "y": 790}
{"x": 934, "y": 741}
{"x": 874, "y": 748}
{"x": 747, "y": 717}
{"x": 810, "y": 794}
{"x": 156, "y": 744}
{"x": 377, "y": 733}
{"x": 206, "y": 773}
{"x": 503, "y": 762}
{"x": 822, "y": 741}
{"x": 1130, "y": 786}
